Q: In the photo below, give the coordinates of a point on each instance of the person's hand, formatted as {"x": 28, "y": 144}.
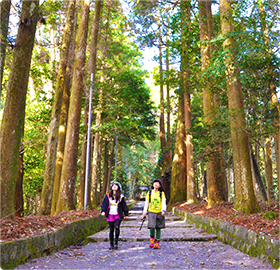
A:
{"x": 126, "y": 217}
{"x": 144, "y": 216}
{"x": 103, "y": 214}
{"x": 163, "y": 213}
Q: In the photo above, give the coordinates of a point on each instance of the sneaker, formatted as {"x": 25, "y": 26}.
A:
{"x": 156, "y": 245}
{"x": 152, "y": 242}
{"x": 116, "y": 247}
{"x": 111, "y": 247}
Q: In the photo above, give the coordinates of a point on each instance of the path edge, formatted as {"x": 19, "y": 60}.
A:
{"x": 261, "y": 246}
{"x": 14, "y": 253}
{"x": 17, "y": 252}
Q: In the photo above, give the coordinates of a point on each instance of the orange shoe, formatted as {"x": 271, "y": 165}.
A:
{"x": 152, "y": 242}
{"x": 156, "y": 245}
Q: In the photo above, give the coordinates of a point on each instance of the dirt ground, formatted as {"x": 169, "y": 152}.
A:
{"x": 30, "y": 226}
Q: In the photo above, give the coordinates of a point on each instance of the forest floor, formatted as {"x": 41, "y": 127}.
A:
{"x": 264, "y": 222}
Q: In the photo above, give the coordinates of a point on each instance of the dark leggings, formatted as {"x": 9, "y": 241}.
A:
{"x": 115, "y": 225}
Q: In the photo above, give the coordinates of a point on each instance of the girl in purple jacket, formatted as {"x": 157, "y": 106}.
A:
{"x": 114, "y": 208}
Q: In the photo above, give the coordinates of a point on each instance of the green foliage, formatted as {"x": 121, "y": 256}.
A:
{"x": 35, "y": 137}
{"x": 269, "y": 215}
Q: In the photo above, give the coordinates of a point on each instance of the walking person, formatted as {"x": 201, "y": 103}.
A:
{"x": 155, "y": 204}
{"x": 114, "y": 208}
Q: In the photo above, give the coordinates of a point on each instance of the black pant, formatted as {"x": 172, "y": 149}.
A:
{"x": 115, "y": 225}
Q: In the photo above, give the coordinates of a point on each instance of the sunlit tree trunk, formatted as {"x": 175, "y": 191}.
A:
{"x": 81, "y": 187}
{"x": 216, "y": 181}
{"x": 163, "y": 144}
{"x": 185, "y": 62}
{"x": 169, "y": 151}
{"x": 178, "y": 176}
{"x": 274, "y": 99}
{"x": 5, "y": 7}
{"x": 268, "y": 171}
{"x": 92, "y": 70}
{"x": 47, "y": 191}
{"x": 19, "y": 192}
{"x": 245, "y": 198}
{"x": 168, "y": 100}
{"x": 191, "y": 187}
{"x": 14, "y": 110}
{"x": 106, "y": 169}
{"x": 258, "y": 176}
{"x": 276, "y": 136}
{"x": 111, "y": 165}
{"x": 66, "y": 198}
{"x": 63, "y": 122}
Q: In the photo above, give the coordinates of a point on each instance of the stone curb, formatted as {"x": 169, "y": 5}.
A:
{"x": 264, "y": 247}
{"x": 18, "y": 252}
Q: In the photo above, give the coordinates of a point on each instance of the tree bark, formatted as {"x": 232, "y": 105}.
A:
{"x": 19, "y": 192}
{"x": 111, "y": 164}
{"x": 274, "y": 99}
{"x": 5, "y": 7}
{"x": 106, "y": 169}
{"x": 14, "y": 110}
{"x": 216, "y": 180}
{"x": 96, "y": 161}
{"x": 166, "y": 173}
{"x": 258, "y": 176}
{"x": 191, "y": 187}
{"x": 47, "y": 191}
{"x": 178, "y": 176}
{"x": 169, "y": 150}
{"x": 81, "y": 187}
{"x": 268, "y": 172}
{"x": 63, "y": 122}
{"x": 66, "y": 199}
{"x": 185, "y": 62}
{"x": 92, "y": 70}
{"x": 244, "y": 192}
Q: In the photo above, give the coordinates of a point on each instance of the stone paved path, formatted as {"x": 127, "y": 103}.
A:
{"x": 182, "y": 246}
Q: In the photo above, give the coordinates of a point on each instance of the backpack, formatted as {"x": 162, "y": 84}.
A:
{"x": 150, "y": 192}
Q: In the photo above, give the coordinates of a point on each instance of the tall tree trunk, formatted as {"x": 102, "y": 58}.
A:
{"x": 66, "y": 199}
{"x": 81, "y": 187}
{"x": 14, "y": 110}
{"x": 47, "y": 191}
{"x": 191, "y": 188}
{"x": 244, "y": 192}
{"x": 268, "y": 171}
{"x": 169, "y": 151}
{"x": 216, "y": 181}
{"x": 96, "y": 161}
{"x": 111, "y": 165}
{"x": 92, "y": 70}
{"x": 63, "y": 121}
{"x": 106, "y": 169}
{"x": 185, "y": 62}
{"x": 19, "y": 192}
{"x": 258, "y": 176}
{"x": 178, "y": 176}
{"x": 163, "y": 145}
{"x": 168, "y": 99}
{"x": 5, "y": 7}
{"x": 274, "y": 99}
{"x": 276, "y": 136}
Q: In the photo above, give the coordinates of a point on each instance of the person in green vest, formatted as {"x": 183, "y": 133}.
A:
{"x": 155, "y": 205}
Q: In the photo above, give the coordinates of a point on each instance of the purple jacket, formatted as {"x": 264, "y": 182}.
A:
{"x": 122, "y": 207}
